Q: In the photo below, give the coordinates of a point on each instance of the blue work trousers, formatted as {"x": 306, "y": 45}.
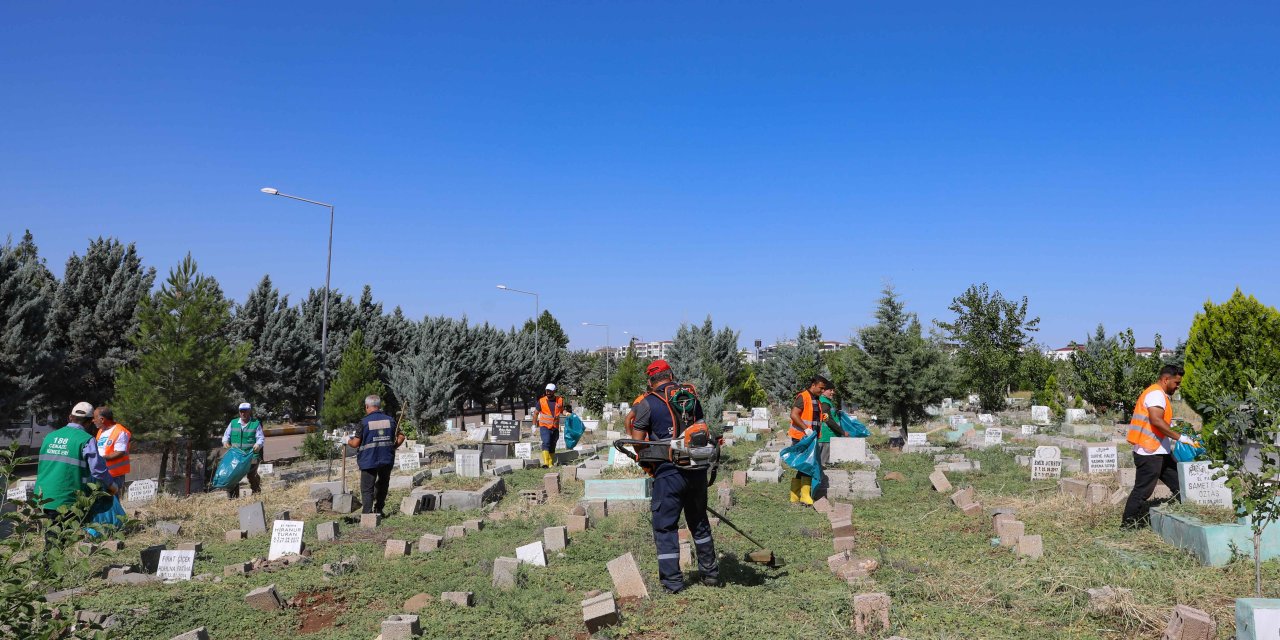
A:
{"x": 549, "y": 439}
{"x": 675, "y": 491}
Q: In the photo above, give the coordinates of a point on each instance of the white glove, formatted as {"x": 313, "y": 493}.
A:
{"x": 808, "y": 432}
{"x": 1186, "y": 440}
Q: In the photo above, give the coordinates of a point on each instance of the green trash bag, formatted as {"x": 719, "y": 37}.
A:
{"x": 233, "y": 467}
{"x": 573, "y": 429}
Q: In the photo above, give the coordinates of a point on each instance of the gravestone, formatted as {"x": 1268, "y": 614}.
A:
{"x": 627, "y": 580}
{"x": 524, "y": 450}
{"x": 956, "y": 421}
{"x": 532, "y": 553}
{"x": 286, "y": 538}
{"x": 141, "y": 491}
{"x": 993, "y": 436}
{"x": 1199, "y": 486}
{"x": 1257, "y": 619}
{"x": 847, "y": 450}
{"x": 506, "y": 430}
{"x": 466, "y": 463}
{"x": 1075, "y": 415}
{"x": 266, "y": 469}
{"x": 1100, "y": 459}
{"x": 1039, "y": 414}
{"x": 1046, "y": 464}
{"x": 1028, "y": 429}
{"x": 176, "y": 565}
{"x": 408, "y": 461}
{"x": 420, "y": 449}
{"x": 253, "y": 519}
{"x": 918, "y": 439}
{"x": 986, "y": 418}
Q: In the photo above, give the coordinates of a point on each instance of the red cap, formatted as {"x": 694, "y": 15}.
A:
{"x": 656, "y": 367}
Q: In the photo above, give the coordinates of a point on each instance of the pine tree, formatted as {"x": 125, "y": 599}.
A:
{"x": 709, "y": 360}
{"x": 990, "y": 333}
{"x": 92, "y": 320}
{"x": 343, "y": 319}
{"x": 629, "y": 379}
{"x": 426, "y": 377}
{"x": 789, "y": 365}
{"x": 26, "y": 295}
{"x": 1229, "y": 343}
{"x": 282, "y": 371}
{"x": 181, "y": 384}
{"x": 357, "y": 378}
{"x": 894, "y": 371}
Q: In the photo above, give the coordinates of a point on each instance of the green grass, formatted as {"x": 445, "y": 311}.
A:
{"x": 945, "y": 578}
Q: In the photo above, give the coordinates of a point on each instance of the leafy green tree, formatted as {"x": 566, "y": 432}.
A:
{"x": 1034, "y": 368}
{"x": 26, "y": 295}
{"x": 282, "y": 368}
{"x": 357, "y": 379}
{"x": 92, "y": 320}
{"x": 1226, "y": 341}
{"x": 316, "y": 447}
{"x": 748, "y": 391}
{"x": 1051, "y": 395}
{"x": 181, "y": 384}
{"x": 894, "y": 371}
{"x": 790, "y": 364}
{"x": 1109, "y": 372}
{"x": 629, "y": 379}
{"x": 991, "y": 333}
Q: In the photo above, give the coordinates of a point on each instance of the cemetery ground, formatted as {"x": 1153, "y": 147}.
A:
{"x": 945, "y": 577}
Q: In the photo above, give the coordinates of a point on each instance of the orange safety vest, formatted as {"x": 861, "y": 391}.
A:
{"x": 1140, "y": 432}
{"x": 810, "y": 414}
{"x": 549, "y": 417}
{"x": 107, "y": 441}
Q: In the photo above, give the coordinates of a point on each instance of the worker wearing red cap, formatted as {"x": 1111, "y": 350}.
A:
{"x": 674, "y": 489}
{"x": 547, "y": 414}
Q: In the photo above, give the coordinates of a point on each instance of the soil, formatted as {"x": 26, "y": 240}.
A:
{"x": 317, "y": 610}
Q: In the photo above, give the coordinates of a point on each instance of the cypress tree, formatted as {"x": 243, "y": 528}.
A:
{"x": 26, "y": 295}
{"x": 1230, "y": 344}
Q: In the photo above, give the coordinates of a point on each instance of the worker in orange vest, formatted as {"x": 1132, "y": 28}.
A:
{"x": 547, "y": 415}
{"x": 807, "y": 415}
{"x": 1152, "y": 438}
{"x": 113, "y": 443}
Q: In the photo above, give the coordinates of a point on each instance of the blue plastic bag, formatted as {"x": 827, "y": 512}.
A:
{"x": 233, "y": 467}
{"x": 853, "y": 428}
{"x": 106, "y": 514}
{"x": 573, "y": 429}
{"x": 1186, "y": 452}
{"x": 803, "y": 457}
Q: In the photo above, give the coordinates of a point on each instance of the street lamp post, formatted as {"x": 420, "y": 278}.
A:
{"x": 537, "y": 311}
{"x": 328, "y": 266}
{"x": 608, "y": 348}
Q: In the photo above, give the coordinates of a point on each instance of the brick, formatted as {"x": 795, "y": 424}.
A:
{"x": 739, "y": 478}
{"x": 724, "y": 496}
{"x": 459, "y": 598}
{"x": 505, "y": 572}
{"x": 821, "y": 505}
{"x": 551, "y": 482}
{"x": 836, "y": 561}
{"x": 870, "y": 613}
{"x": 598, "y": 509}
{"x": 401, "y": 627}
{"x": 627, "y": 581}
{"x": 962, "y": 497}
{"x": 237, "y": 569}
{"x": 236, "y": 535}
{"x": 840, "y": 510}
{"x": 972, "y": 509}
{"x": 410, "y": 505}
{"x": 1010, "y": 531}
{"x": 397, "y": 549}
{"x": 473, "y": 525}
{"x": 370, "y": 520}
{"x": 843, "y": 544}
{"x": 999, "y": 518}
{"x": 429, "y": 542}
{"x": 326, "y": 531}
{"x": 600, "y": 612}
{"x": 1073, "y": 487}
{"x": 264, "y": 599}
{"x": 112, "y": 545}
{"x": 555, "y": 538}
{"x": 1030, "y": 546}
{"x": 1096, "y": 493}
{"x": 939, "y": 481}
{"x": 191, "y": 546}
{"x": 686, "y": 555}
{"x": 455, "y": 531}
{"x": 576, "y": 524}
{"x": 1188, "y": 623}
{"x": 842, "y": 529}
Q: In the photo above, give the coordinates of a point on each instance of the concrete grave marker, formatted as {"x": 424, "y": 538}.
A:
{"x": 253, "y": 519}
{"x": 532, "y": 553}
{"x": 286, "y": 538}
{"x": 847, "y": 450}
{"x": 918, "y": 439}
{"x": 1039, "y": 414}
{"x": 1099, "y": 459}
{"x": 1075, "y": 415}
{"x": 524, "y": 450}
{"x": 141, "y": 491}
{"x": 1046, "y": 464}
{"x": 993, "y": 436}
{"x": 627, "y": 580}
{"x": 466, "y": 463}
{"x": 176, "y": 565}
{"x": 986, "y": 418}
{"x": 956, "y": 421}
{"x": 1257, "y": 619}
{"x": 420, "y": 449}
{"x": 266, "y": 469}
{"x": 408, "y": 461}
{"x": 1028, "y": 429}
{"x": 1199, "y": 486}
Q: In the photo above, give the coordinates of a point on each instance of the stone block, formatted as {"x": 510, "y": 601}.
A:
{"x": 235, "y": 535}
{"x": 627, "y": 580}
{"x": 842, "y": 450}
{"x": 410, "y": 505}
{"x": 283, "y": 514}
{"x": 191, "y": 546}
{"x": 834, "y": 562}
{"x": 622, "y": 489}
{"x": 551, "y": 482}
{"x": 600, "y": 612}
{"x": 429, "y": 542}
{"x": 455, "y": 531}
{"x": 253, "y": 519}
{"x": 962, "y": 497}
{"x": 895, "y": 476}
{"x": 370, "y": 520}
{"x": 151, "y": 558}
{"x": 1109, "y": 601}
{"x": 131, "y": 578}
{"x": 972, "y": 509}
{"x": 1125, "y": 477}
{"x": 739, "y": 478}
{"x": 1029, "y": 546}
{"x": 999, "y": 518}
{"x": 840, "y": 511}
{"x": 327, "y": 531}
{"x": 237, "y": 569}
{"x": 724, "y": 496}
{"x": 598, "y": 509}
{"x": 555, "y": 538}
{"x": 169, "y": 528}
{"x": 765, "y": 475}
{"x": 939, "y": 481}
{"x": 846, "y": 543}
{"x": 577, "y": 524}
{"x": 1073, "y": 487}
{"x": 822, "y": 505}
{"x": 199, "y": 633}
{"x": 1010, "y": 531}
{"x": 870, "y": 613}
{"x": 397, "y": 548}
{"x": 472, "y": 526}
{"x": 505, "y": 571}
{"x": 1188, "y": 623}
{"x": 1096, "y": 493}
{"x": 842, "y": 528}
{"x": 264, "y": 599}
{"x": 459, "y": 598}
{"x": 401, "y": 626}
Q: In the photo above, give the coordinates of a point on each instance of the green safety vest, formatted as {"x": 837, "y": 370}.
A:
{"x": 63, "y": 471}
{"x": 826, "y": 434}
{"x": 244, "y": 437}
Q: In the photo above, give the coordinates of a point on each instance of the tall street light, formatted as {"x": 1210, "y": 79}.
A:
{"x": 537, "y": 311}
{"x": 328, "y": 265}
{"x": 608, "y": 351}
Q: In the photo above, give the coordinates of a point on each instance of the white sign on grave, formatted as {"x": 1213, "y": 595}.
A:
{"x": 286, "y": 538}
{"x": 946, "y": 403}
{"x": 420, "y": 449}
{"x": 19, "y": 491}
{"x": 1028, "y": 429}
{"x": 956, "y": 421}
{"x": 408, "y": 461}
{"x": 986, "y": 418}
{"x": 141, "y": 491}
{"x": 760, "y": 412}
{"x": 1075, "y": 415}
{"x": 1039, "y": 414}
{"x": 618, "y": 459}
{"x": 1199, "y": 485}
{"x": 591, "y": 425}
{"x": 450, "y": 426}
{"x": 524, "y": 450}
{"x": 1099, "y": 459}
{"x": 918, "y": 439}
{"x": 1046, "y": 464}
{"x": 993, "y": 436}
{"x": 532, "y": 553}
{"x": 1265, "y": 624}
{"x": 176, "y": 565}
{"x": 266, "y": 468}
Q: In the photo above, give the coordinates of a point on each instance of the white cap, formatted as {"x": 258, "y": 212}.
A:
{"x": 245, "y": 406}
{"x": 82, "y": 410}
{"x": 551, "y": 387}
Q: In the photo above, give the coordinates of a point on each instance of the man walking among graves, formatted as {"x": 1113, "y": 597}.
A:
{"x": 674, "y": 489}
{"x": 245, "y": 433}
{"x": 807, "y": 414}
{"x": 830, "y": 424}
{"x": 69, "y": 461}
{"x": 375, "y": 446}
{"x": 113, "y": 443}
{"x": 546, "y": 415}
{"x": 1152, "y": 438}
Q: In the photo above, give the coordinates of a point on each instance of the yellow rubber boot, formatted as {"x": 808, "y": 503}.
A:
{"x": 546, "y": 459}
{"x": 806, "y": 495}
{"x": 795, "y": 489}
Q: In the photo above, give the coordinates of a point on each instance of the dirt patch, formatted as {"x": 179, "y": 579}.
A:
{"x": 317, "y": 610}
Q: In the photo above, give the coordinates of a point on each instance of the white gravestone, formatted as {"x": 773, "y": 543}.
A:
{"x": 1028, "y": 429}
{"x": 420, "y": 449}
{"x": 408, "y": 461}
{"x": 532, "y": 553}
{"x": 1100, "y": 459}
{"x": 1046, "y": 464}
{"x": 19, "y": 492}
{"x": 946, "y": 403}
{"x": 590, "y": 425}
{"x": 450, "y": 426}
{"x": 1199, "y": 485}
{"x": 141, "y": 491}
{"x": 524, "y": 450}
{"x": 1039, "y": 414}
{"x": 266, "y": 469}
{"x": 286, "y": 538}
{"x": 956, "y": 421}
{"x": 760, "y": 412}
{"x": 993, "y": 436}
{"x": 986, "y": 418}
{"x": 1075, "y": 415}
{"x": 918, "y": 439}
{"x": 466, "y": 463}
{"x": 176, "y": 565}
{"x": 1265, "y": 624}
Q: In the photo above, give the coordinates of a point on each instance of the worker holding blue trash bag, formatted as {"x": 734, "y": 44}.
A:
{"x": 243, "y": 438}
{"x": 806, "y": 418}
{"x": 547, "y": 413}
{"x": 1154, "y": 441}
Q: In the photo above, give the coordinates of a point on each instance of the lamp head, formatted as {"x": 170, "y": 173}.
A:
{"x": 269, "y": 191}
{"x": 502, "y": 286}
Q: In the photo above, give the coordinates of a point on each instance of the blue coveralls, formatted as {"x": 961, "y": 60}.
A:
{"x": 375, "y": 457}
{"x": 673, "y": 491}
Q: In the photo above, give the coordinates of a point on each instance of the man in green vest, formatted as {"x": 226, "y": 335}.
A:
{"x": 830, "y": 427}
{"x": 70, "y": 464}
{"x": 245, "y": 434}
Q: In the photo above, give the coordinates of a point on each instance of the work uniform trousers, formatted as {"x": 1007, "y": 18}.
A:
{"x": 1147, "y": 471}
{"x": 255, "y": 481}
{"x": 675, "y": 491}
{"x": 373, "y": 488}
{"x": 549, "y": 439}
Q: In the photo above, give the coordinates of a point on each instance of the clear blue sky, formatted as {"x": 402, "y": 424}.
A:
{"x": 640, "y": 164}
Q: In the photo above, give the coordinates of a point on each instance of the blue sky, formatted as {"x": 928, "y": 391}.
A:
{"x": 641, "y": 164}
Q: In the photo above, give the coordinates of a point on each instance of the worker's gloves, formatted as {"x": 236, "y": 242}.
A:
{"x": 808, "y": 432}
{"x": 256, "y": 448}
{"x": 1186, "y": 440}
